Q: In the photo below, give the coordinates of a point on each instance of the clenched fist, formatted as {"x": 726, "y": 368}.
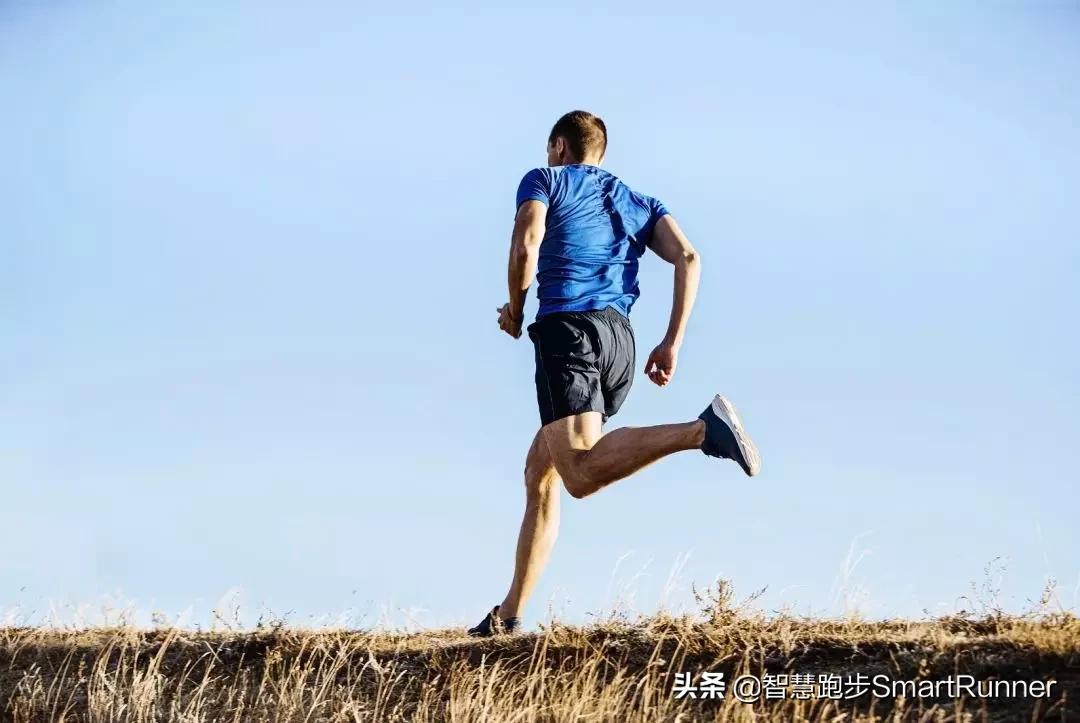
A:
{"x": 508, "y": 323}
{"x": 661, "y": 364}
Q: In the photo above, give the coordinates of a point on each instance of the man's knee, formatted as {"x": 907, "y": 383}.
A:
{"x": 578, "y": 492}
{"x": 540, "y": 476}
{"x": 542, "y": 481}
{"x": 569, "y": 441}
{"x": 576, "y": 474}
{"x": 578, "y": 484}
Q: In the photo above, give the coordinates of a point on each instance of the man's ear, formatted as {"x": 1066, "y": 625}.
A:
{"x": 560, "y": 148}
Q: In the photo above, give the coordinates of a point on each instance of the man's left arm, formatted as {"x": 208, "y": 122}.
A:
{"x": 671, "y": 244}
{"x": 529, "y": 227}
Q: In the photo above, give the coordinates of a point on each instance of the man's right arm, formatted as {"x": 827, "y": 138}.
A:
{"x": 533, "y": 195}
{"x": 529, "y": 226}
{"x": 670, "y": 243}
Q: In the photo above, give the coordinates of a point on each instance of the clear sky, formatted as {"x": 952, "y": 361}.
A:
{"x": 250, "y": 255}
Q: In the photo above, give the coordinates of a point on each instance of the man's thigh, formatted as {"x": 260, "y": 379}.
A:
{"x": 570, "y": 437}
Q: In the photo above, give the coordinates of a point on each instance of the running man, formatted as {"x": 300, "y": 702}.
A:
{"x": 581, "y": 231}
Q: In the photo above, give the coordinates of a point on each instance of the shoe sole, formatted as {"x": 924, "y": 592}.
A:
{"x": 751, "y": 459}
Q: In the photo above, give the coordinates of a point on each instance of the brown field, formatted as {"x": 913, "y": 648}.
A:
{"x": 619, "y": 670}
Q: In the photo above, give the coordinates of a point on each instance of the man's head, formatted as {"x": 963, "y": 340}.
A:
{"x": 577, "y": 137}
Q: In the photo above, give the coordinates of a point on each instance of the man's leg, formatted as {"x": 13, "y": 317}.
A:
{"x": 573, "y": 448}
{"x": 539, "y": 527}
{"x": 587, "y": 461}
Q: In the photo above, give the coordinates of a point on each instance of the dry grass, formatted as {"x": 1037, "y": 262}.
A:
{"x": 613, "y": 671}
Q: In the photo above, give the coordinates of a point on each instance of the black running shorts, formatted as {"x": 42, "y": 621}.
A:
{"x": 584, "y": 362}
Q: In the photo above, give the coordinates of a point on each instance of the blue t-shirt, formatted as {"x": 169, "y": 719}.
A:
{"x": 597, "y": 229}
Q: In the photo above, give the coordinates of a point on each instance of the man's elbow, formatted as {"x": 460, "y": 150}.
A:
{"x": 523, "y": 252}
{"x": 689, "y": 258}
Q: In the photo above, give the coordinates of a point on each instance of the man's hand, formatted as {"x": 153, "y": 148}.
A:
{"x": 508, "y": 323}
{"x": 661, "y": 365}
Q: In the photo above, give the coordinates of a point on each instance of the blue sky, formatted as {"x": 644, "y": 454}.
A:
{"x": 251, "y": 254}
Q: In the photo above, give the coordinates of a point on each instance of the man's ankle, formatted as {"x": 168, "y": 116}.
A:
{"x": 699, "y": 432}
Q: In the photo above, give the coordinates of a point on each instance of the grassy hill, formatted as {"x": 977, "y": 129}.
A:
{"x": 612, "y": 671}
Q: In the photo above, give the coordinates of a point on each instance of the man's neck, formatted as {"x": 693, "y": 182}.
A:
{"x": 589, "y": 161}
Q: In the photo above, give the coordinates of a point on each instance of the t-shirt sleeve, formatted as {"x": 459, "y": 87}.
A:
{"x": 535, "y": 186}
{"x": 657, "y": 210}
